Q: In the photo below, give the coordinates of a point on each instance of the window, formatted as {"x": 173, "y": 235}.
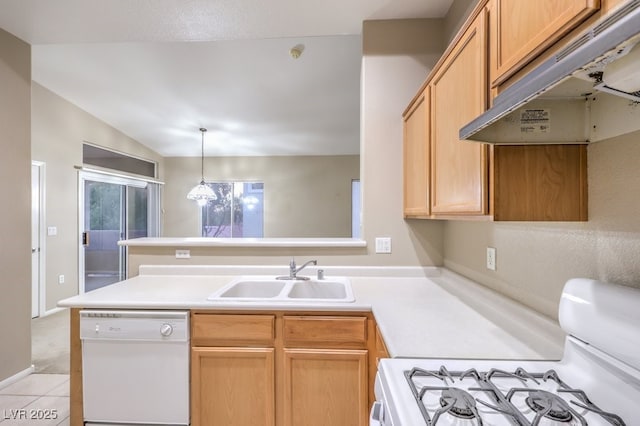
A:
{"x": 101, "y": 157}
{"x": 237, "y": 212}
{"x": 355, "y": 209}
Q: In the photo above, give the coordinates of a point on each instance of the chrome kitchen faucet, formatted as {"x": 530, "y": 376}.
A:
{"x": 293, "y": 270}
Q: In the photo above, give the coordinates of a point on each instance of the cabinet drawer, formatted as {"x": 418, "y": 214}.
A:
{"x": 222, "y": 328}
{"x": 325, "y": 329}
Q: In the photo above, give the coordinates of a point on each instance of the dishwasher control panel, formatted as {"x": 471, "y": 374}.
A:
{"x": 135, "y": 325}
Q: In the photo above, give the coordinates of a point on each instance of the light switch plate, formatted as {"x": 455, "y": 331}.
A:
{"x": 491, "y": 258}
{"x": 383, "y": 245}
{"x": 183, "y": 254}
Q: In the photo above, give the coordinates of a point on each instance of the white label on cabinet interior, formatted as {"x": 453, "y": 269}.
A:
{"x": 535, "y": 120}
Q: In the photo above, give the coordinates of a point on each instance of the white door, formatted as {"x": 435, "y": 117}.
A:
{"x": 36, "y": 251}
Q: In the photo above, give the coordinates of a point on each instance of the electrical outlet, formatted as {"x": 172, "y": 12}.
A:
{"x": 383, "y": 245}
{"x": 183, "y": 254}
{"x": 60, "y": 279}
{"x": 491, "y": 258}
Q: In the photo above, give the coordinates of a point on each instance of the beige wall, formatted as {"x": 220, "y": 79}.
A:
{"x": 305, "y": 196}
{"x": 456, "y": 16}
{"x": 397, "y": 58}
{"x": 535, "y": 260}
{"x": 15, "y": 226}
{"x": 58, "y": 130}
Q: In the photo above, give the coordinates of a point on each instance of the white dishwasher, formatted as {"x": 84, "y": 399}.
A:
{"x": 135, "y": 367}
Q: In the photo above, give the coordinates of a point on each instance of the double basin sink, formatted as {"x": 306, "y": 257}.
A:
{"x": 258, "y": 288}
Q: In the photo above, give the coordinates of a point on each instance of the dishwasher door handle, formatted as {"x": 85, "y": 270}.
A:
{"x": 375, "y": 415}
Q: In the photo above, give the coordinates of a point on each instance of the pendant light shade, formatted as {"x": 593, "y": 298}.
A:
{"x": 202, "y": 192}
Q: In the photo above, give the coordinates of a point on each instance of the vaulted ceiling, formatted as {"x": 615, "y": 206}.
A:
{"x": 158, "y": 70}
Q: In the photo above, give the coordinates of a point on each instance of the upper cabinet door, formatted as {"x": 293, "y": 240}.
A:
{"x": 459, "y": 170}
{"x": 522, "y": 29}
{"x": 416, "y": 157}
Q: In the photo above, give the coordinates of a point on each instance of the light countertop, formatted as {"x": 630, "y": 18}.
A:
{"x": 243, "y": 242}
{"x": 421, "y": 312}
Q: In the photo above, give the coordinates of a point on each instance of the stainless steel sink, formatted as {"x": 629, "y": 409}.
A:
{"x": 258, "y": 288}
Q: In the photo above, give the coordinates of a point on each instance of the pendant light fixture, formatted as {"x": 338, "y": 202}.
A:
{"x": 202, "y": 192}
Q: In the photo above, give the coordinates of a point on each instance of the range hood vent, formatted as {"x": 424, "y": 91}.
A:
{"x": 588, "y": 91}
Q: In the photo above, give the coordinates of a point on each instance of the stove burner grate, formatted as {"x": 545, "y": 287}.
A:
{"x": 549, "y": 406}
{"x": 458, "y": 403}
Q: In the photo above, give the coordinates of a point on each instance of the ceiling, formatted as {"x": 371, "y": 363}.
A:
{"x": 158, "y": 70}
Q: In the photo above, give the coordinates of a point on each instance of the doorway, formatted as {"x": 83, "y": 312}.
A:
{"x": 113, "y": 208}
{"x": 37, "y": 243}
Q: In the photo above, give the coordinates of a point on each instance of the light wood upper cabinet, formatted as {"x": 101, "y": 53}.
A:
{"x": 416, "y": 157}
{"x": 521, "y": 30}
{"x": 459, "y": 94}
{"x": 540, "y": 183}
{"x": 469, "y": 180}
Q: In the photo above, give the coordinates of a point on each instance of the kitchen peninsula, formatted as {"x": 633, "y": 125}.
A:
{"x": 403, "y": 311}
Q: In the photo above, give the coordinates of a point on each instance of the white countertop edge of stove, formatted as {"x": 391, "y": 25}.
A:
{"x": 412, "y": 305}
{"x": 243, "y": 242}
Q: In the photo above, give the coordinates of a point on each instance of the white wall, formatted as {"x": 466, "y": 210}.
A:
{"x": 535, "y": 260}
{"x": 304, "y": 196}
{"x": 59, "y": 129}
{"x": 456, "y": 15}
{"x": 15, "y": 214}
{"x": 397, "y": 56}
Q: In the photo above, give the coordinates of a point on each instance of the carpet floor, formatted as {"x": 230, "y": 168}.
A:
{"x": 50, "y": 343}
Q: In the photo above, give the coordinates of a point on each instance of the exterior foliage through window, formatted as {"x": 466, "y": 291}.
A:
{"x": 237, "y": 211}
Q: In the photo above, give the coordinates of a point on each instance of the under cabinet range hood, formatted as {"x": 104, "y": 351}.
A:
{"x": 587, "y": 92}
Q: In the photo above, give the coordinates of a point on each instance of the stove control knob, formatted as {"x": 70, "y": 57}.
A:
{"x": 166, "y": 329}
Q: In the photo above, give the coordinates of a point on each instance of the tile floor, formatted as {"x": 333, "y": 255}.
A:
{"x": 38, "y": 400}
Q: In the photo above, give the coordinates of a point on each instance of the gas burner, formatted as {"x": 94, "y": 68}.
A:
{"x": 548, "y": 405}
{"x": 458, "y": 403}
{"x": 514, "y": 397}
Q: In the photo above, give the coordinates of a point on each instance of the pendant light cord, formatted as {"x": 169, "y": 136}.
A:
{"x": 202, "y": 129}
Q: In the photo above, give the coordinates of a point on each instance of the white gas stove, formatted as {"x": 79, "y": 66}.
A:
{"x": 597, "y": 382}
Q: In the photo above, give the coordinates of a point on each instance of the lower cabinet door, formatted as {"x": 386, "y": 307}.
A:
{"x": 325, "y": 387}
{"x": 232, "y": 386}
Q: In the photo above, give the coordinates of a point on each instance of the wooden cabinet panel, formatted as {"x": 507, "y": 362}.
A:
{"x": 381, "y": 347}
{"x": 416, "y": 157}
{"x": 468, "y": 180}
{"x": 324, "y": 330}
{"x": 212, "y": 329}
{"x": 325, "y": 387}
{"x": 540, "y": 182}
{"x": 76, "y": 404}
{"x": 232, "y": 386}
{"x": 521, "y": 30}
{"x": 458, "y": 95}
